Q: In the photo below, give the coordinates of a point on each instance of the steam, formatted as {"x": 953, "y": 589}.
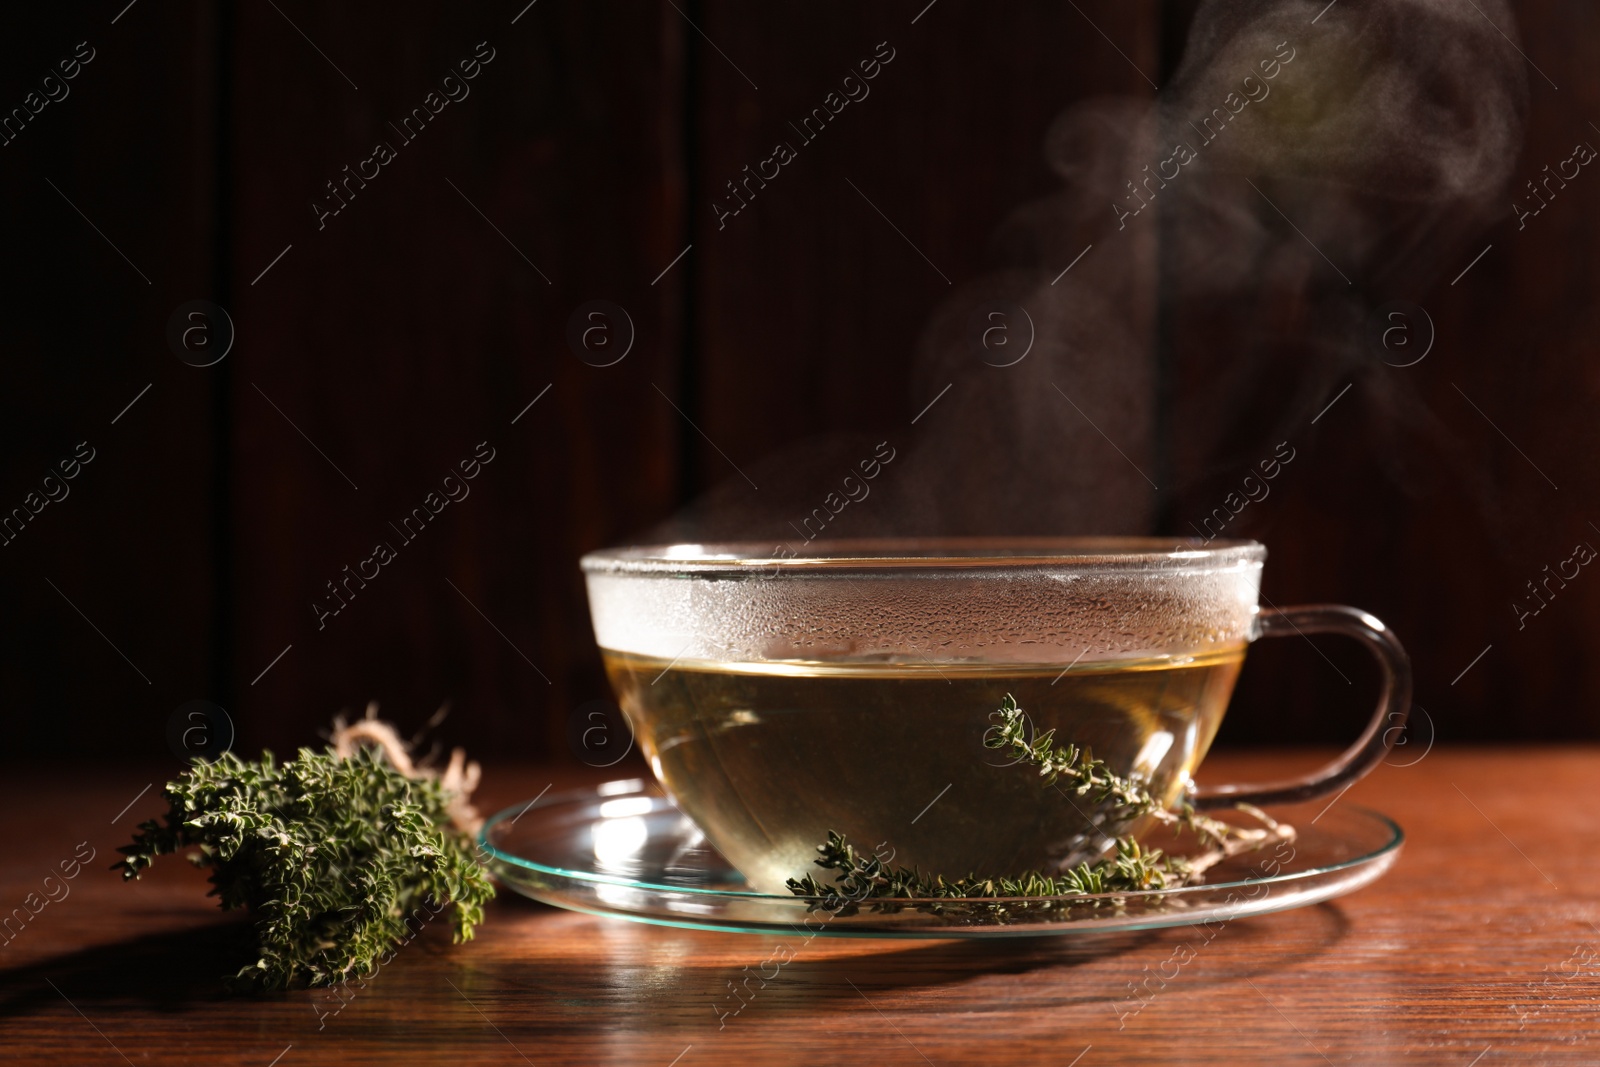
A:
{"x": 1346, "y": 162}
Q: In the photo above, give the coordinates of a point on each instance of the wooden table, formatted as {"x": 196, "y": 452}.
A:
{"x": 1480, "y": 947}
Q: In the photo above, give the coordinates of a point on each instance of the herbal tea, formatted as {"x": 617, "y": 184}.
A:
{"x": 768, "y": 757}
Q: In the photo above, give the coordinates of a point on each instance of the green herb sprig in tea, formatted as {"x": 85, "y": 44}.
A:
{"x": 1075, "y": 772}
{"x": 860, "y": 877}
{"x": 1124, "y": 799}
{"x": 332, "y": 851}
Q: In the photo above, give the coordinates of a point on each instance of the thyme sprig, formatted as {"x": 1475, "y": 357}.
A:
{"x": 1126, "y": 798}
{"x": 1134, "y": 868}
{"x": 1130, "y": 866}
{"x": 1122, "y": 798}
{"x": 334, "y": 855}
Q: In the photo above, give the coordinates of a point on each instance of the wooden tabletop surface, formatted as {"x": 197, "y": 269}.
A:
{"x": 1482, "y": 946}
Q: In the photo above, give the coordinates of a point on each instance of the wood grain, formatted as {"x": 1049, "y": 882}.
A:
{"x": 1482, "y": 937}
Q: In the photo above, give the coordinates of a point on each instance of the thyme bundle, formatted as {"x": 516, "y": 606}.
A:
{"x": 334, "y": 851}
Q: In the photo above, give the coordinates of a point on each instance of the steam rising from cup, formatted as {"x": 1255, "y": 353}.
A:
{"x": 1202, "y": 281}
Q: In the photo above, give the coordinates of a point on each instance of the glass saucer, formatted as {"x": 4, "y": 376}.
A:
{"x": 623, "y": 849}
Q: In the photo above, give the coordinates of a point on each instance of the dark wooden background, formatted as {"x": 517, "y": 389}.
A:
{"x": 379, "y": 350}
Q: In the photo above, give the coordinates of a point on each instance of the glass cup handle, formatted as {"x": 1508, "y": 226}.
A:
{"x": 1394, "y": 705}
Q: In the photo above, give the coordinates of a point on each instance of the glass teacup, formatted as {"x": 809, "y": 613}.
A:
{"x": 852, "y": 689}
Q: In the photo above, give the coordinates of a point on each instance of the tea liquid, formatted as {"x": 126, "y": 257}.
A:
{"x": 767, "y": 758}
